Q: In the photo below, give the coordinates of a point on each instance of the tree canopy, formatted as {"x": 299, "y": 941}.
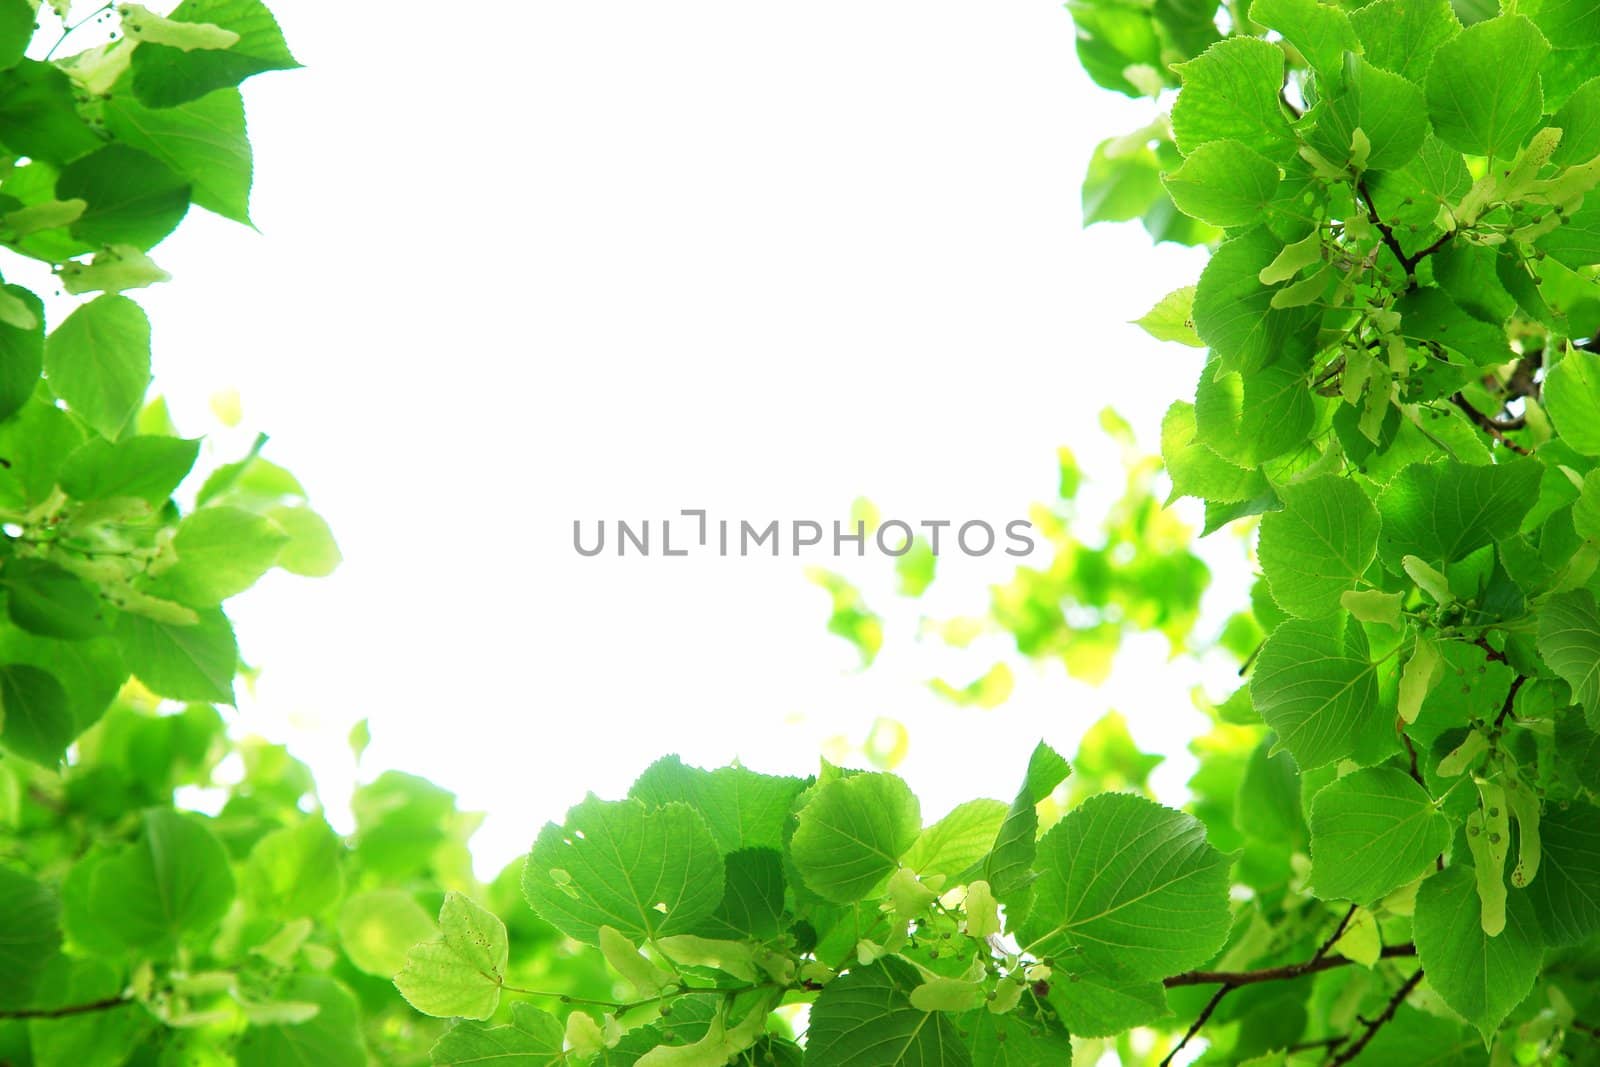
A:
{"x": 1391, "y": 849}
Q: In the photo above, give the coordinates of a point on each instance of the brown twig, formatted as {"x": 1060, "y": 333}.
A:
{"x": 1354, "y": 1049}
{"x": 1228, "y": 981}
{"x": 1490, "y": 426}
{"x": 1278, "y": 974}
{"x": 71, "y": 1009}
{"x": 1199, "y": 1021}
{"x": 1511, "y": 698}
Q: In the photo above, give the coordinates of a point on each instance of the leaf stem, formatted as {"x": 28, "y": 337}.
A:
{"x": 104, "y": 1004}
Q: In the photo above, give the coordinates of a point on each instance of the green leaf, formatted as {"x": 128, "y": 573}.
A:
{"x": 1093, "y": 1003}
{"x": 378, "y": 928}
{"x": 1230, "y": 92}
{"x": 1483, "y": 86}
{"x": 30, "y": 935}
{"x": 1403, "y": 35}
{"x": 1579, "y": 123}
{"x": 98, "y": 361}
{"x": 1128, "y": 885}
{"x": 1172, "y": 319}
{"x": 134, "y": 198}
{"x": 852, "y": 833}
{"x": 459, "y": 974}
{"x": 1480, "y": 977}
{"x": 1429, "y": 314}
{"x": 90, "y": 672}
{"x": 202, "y": 140}
{"x": 1562, "y": 895}
{"x": 166, "y": 77}
{"x": 1316, "y": 688}
{"x": 1254, "y": 417}
{"x": 21, "y": 353}
{"x": 1569, "y": 641}
{"x": 221, "y": 552}
{"x": 1572, "y": 397}
{"x": 310, "y": 551}
{"x": 295, "y": 871}
{"x": 1123, "y": 180}
{"x": 1268, "y": 805}
{"x": 1013, "y": 1040}
{"x": 44, "y": 599}
{"x": 1195, "y": 469}
{"x": 752, "y": 898}
{"x": 1319, "y": 545}
{"x": 36, "y": 722}
{"x": 39, "y": 117}
{"x": 1233, "y": 311}
{"x": 865, "y": 1019}
{"x": 533, "y": 1038}
{"x": 741, "y": 808}
{"x": 330, "y": 1038}
{"x": 1568, "y": 23}
{"x": 1224, "y": 183}
{"x": 1388, "y": 110}
{"x": 646, "y": 873}
{"x": 957, "y": 841}
{"x": 1372, "y": 832}
{"x": 92, "y": 1039}
{"x": 195, "y": 662}
{"x": 1321, "y": 32}
{"x": 1009, "y": 866}
{"x": 1576, "y": 243}
{"x": 16, "y": 30}
{"x": 1443, "y": 512}
{"x": 174, "y": 882}
{"x": 147, "y": 468}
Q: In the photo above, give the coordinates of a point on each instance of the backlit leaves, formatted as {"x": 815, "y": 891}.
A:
{"x": 1372, "y": 832}
{"x": 1319, "y": 545}
{"x": 1130, "y": 885}
{"x": 1314, "y": 685}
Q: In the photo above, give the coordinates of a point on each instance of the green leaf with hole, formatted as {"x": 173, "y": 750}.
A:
{"x": 647, "y": 873}
{"x": 461, "y": 972}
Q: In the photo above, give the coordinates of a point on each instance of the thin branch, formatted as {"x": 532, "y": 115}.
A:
{"x": 1390, "y": 241}
{"x": 1333, "y": 938}
{"x": 1411, "y": 755}
{"x": 1228, "y": 981}
{"x": 71, "y": 1009}
{"x": 1355, "y": 1048}
{"x": 1488, "y": 425}
{"x": 1199, "y": 1021}
{"x": 1277, "y": 974}
{"x": 1511, "y": 698}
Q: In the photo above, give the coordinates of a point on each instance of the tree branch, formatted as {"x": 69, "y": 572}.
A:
{"x": 71, "y": 1009}
{"x": 1390, "y": 241}
{"x": 1490, "y": 426}
{"x": 1199, "y": 1021}
{"x": 1233, "y": 979}
{"x": 1355, "y": 1048}
{"x": 1228, "y": 981}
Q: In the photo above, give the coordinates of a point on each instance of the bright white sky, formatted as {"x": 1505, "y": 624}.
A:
{"x": 614, "y": 259}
